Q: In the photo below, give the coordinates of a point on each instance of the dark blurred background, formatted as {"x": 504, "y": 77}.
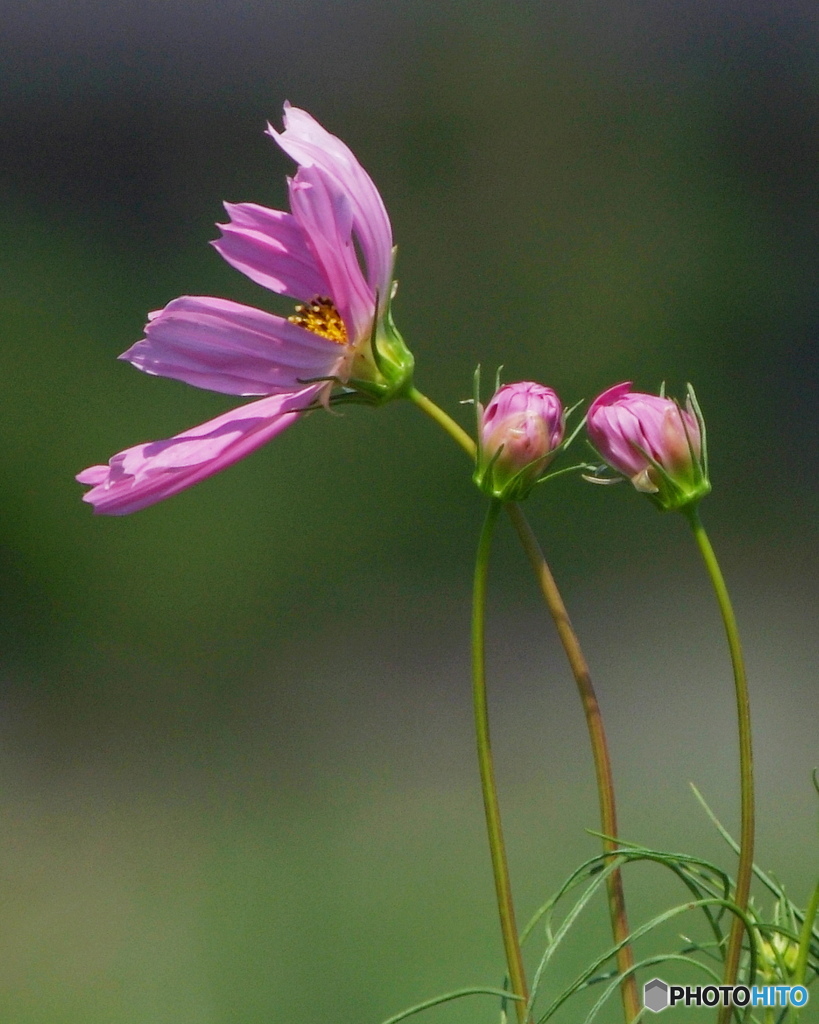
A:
{"x": 236, "y": 764}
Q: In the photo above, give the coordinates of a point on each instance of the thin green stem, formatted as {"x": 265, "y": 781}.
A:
{"x": 497, "y": 849}
{"x": 600, "y": 752}
{"x": 800, "y": 971}
{"x": 591, "y": 708}
{"x": 746, "y": 760}
{"x": 435, "y": 412}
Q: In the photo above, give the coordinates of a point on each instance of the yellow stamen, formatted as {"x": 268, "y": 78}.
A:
{"x": 321, "y": 317}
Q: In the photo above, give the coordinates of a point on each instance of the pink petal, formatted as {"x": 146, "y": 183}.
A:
{"x": 93, "y": 475}
{"x": 270, "y": 247}
{"x": 310, "y": 145}
{"x": 234, "y": 349}
{"x": 324, "y": 213}
{"x": 611, "y": 396}
{"x": 147, "y": 473}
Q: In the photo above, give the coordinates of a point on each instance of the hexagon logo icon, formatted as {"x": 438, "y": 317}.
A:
{"x": 655, "y": 995}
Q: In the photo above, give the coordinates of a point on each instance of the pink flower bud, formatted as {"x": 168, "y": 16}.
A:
{"x": 519, "y": 431}
{"x": 653, "y": 441}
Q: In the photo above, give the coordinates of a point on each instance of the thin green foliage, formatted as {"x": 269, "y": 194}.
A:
{"x": 650, "y": 961}
{"x": 708, "y": 884}
{"x": 571, "y": 917}
{"x": 770, "y": 884}
{"x": 448, "y": 997}
{"x": 801, "y": 969}
{"x": 710, "y": 888}
{"x": 584, "y": 978}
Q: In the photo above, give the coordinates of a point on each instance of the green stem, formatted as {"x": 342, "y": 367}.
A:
{"x": 435, "y": 412}
{"x": 746, "y": 760}
{"x": 591, "y": 708}
{"x": 800, "y": 971}
{"x": 500, "y": 869}
{"x": 600, "y": 753}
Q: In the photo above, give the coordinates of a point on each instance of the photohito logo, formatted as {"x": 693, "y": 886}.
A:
{"x": 658, "y": 995}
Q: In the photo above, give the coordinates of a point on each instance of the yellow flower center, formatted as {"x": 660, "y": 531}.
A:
{"x": 321, "y": 317}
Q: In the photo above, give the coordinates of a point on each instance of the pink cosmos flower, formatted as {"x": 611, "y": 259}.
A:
{"x": 653, "y": 441}
{"x": 519, "y": 430}
{"x": 341, "y": 334}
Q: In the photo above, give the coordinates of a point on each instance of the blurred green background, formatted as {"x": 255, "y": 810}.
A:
{"x": 237, "y": 777}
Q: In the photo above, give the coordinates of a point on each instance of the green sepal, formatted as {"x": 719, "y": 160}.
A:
{"x": 384, "y": 369}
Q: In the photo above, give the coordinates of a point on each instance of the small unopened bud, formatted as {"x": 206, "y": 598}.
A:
{"x": 777, "y": 957}
{"x": 519, "y": 431}
{"x": 777, "y": 952}
{"x": 654, "y": 442}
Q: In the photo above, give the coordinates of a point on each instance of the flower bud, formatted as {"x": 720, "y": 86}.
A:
{"x": 777, "y": 953}
{"x": 777, "y": 957}
{"x": 654, "y": 442}
{"x": 519, "y": 431}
